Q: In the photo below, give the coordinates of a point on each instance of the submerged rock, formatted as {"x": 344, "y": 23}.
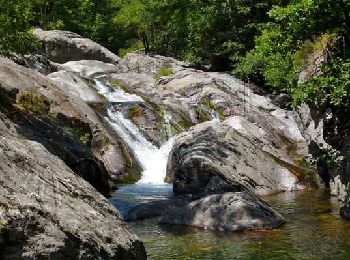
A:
{"x": 228, "y": 212}
{"x": 48, "y": 212}
{"x": 154, "y": 209}
{"x": 64, "y": 46}
{"x": 345, "y": 210}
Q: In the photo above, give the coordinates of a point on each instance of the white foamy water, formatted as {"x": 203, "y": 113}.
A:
{"x": 114, "y": 94}
{"x": 152, "y": 159}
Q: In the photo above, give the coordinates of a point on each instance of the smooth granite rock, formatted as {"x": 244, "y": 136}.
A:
{"x": 226, "y": 212}
{"x": 49, "y": 212}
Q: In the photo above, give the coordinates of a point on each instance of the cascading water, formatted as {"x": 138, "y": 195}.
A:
{"x": 167, "y": 124}
{"x": 152, "y": 159}
{"x": 114, "y": 94}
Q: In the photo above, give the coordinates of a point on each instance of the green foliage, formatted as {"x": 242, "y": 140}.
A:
{"x": 80, "y": 133}
{"x": 332, "y": 85}
{"x": 85, "y": 138}
{"x": 90, "y": 18}
{"x": 135, "y": 111}
{"x": 269, "y": 41}
{"x": 198, "y": 31}
{"x": 15, "y": 35}
{"x": 299, "y": 33}
{"x": 202, "y": 115}
{"x": 135, "y": 45}
{"x": 163, "y": 72}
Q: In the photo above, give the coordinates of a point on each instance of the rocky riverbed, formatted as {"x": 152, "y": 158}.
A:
{"x": 78, "y": 121}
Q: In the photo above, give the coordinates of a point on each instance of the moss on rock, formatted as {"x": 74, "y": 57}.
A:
{"x": 32, "y": 101}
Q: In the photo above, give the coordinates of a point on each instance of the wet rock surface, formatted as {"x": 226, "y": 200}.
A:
{"x": 154, "y": 208}
{"x": 226, "y": 212}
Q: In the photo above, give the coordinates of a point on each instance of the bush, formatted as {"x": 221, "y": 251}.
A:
{"x": 163, "y": 72}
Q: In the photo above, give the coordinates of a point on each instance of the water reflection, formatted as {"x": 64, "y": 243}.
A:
{"x": 313, "y": 230}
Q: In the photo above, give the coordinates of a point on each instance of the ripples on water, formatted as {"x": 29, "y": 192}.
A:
{"x": 313, "y": 230}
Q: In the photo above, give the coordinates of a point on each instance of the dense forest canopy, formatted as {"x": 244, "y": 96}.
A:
{"x": 267, "y": 41}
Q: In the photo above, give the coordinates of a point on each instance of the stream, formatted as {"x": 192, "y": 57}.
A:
{"x": 313, "y": 228}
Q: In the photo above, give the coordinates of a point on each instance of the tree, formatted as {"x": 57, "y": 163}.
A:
{"x": 14, "y": 27}
{"x": 297, "y": 31}
{"x": 208, "y": 32}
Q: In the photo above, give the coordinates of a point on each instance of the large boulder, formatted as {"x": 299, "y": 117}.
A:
{"x": 200, "y": 96}
{"x": 214, "y": 157}
{"x": 227, "y": 212}
{"x": 64, "y": 46}
{"x": 57, "y": 116}
{"x": 75, "y": 86}
{"x": 49, "y": 212}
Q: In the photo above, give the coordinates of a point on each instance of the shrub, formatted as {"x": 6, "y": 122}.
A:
{"x": 163, "y": 72}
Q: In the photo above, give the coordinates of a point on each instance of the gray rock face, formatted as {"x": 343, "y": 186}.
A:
{"x": 327, "y": 131}
{"x": 75, "y": 86}
{"x": 90, "y": 68}
{"x": 227, "y": 212}
{"x": 199, "y": 96}
{"x": 140, "y": 63}
{"x": 47, "y": 211}
{"x": 311, "y": 125}
{"x": 57, "y": 116}
{"x": 214, "y": 157}
{"x": 35, "y": 62}
{"x": 64, "y": 46}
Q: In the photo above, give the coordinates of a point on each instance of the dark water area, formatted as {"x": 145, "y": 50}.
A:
{"x": 313, "y": 230}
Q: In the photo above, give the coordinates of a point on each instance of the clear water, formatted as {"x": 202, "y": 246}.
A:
{"x": 127, "y": 196}
{"x": 313, "y": 230}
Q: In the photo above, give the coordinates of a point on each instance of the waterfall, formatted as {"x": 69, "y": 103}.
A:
{"x": 152, "y": 159}
{"x": 114, "y": 94}
{"x": 167, "y": 124}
